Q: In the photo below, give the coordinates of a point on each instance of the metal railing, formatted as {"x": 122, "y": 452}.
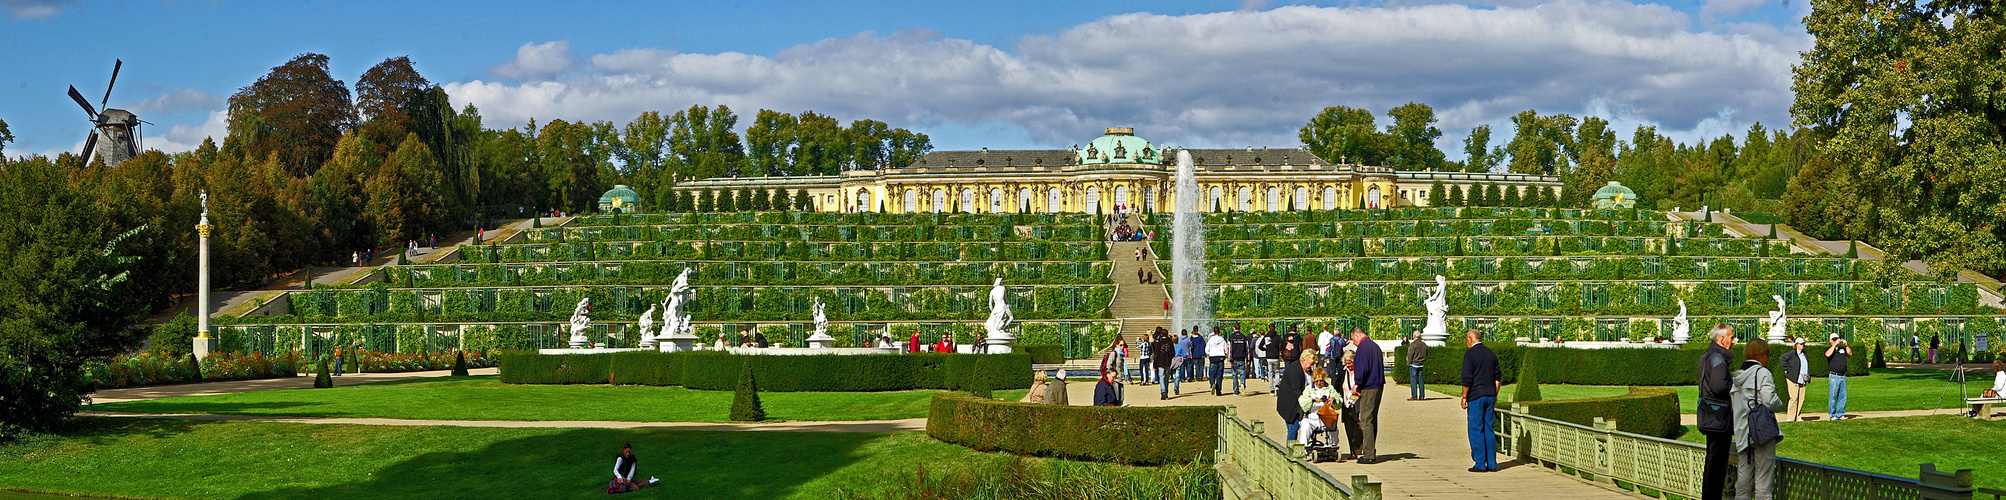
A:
{"x": 1674, "y": 468}
{"x": 1273, "y": 472}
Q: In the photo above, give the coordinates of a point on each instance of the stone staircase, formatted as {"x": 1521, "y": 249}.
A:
{"x": 1138, "y": 306}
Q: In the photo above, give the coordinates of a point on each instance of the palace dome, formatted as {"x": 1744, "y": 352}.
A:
{"x": 1118, "y": 146}
{"x": 1615, "y": 195}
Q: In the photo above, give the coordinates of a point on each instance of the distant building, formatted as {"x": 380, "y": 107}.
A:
{"x": 1117, "y": 168}
{"x": 620, "y": 199}
{"x": 1615, "y": 195}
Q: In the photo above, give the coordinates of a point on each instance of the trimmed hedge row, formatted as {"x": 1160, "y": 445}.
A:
{"x": 1633, "y": 366}
{"x": 1045, "y": 354}
{"x": 1131, "y": 435}
{"x": 719, "y": 371}
{"x": 1651, "y": 411}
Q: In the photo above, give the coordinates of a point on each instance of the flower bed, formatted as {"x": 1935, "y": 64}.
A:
{"x": 144, "y": 369}
{"x": 388, "y": 362}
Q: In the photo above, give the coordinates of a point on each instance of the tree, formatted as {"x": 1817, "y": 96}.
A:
{"x": 1437, "y": 194}
{"x": 297, "y": 112}
{"x": 745, "y": 405}
{"x": 1456, "y": 195}
{"x": 1478, "y": 155}
{"x": 780, "y": 199}
{"x": 760, "y": 199}
{"x": 402, "y": 196}
{"x": 802, "y": 201}
{"x": 725, "y": 203}
{"x": 1906, "y": 92}
{"x": 5, "y": 137}
{"x": 1511, "y": 198}
{"x": 1593, "y": 154}
{"x": 387, "y": 97}
{"x": 1345, "y": 134}
{"x": 707, "y": 203}
{"x": 745, "y": 201}
{"x": 1538, "y": 142}
{"x": 1413, "y": 135}
{"x": 770, "y": 142}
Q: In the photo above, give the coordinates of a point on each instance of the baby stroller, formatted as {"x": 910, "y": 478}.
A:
{"x": 1323, "y": 443}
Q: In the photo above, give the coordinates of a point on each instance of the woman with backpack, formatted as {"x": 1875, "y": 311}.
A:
{"x": 1755, "y": 429}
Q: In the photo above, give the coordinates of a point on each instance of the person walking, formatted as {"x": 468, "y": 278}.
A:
{"x": 1216, "y": 348}
{"x": 1754, "y": 386}
{"x": 1835, "y": 356}
{"x": 1914, "y": 348}
{"x": 1166, "y": 308}
{"x": 1479, "y": 400}
{"x": 1271, "y": 353}
{"x": 1935, "y": 341}
{"x": 1294, "y": 376}
{"x": 1238, "y": 350}
{"x": 1796, "y": 373}
{"x": 1181, "y": 361}
{"x": 1714, "y": 409}
{"x": 1417, "y": 356}
{"x": 1166, "y": 361}
{"x": 1370, "y": 375}
{"x": 1144, "y": 356}
{"x": 1116, "y": 359}
{"x": 337, "y": 361}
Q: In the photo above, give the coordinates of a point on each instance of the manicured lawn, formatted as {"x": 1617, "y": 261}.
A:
{"x": 485, "y": 398}
{"x": 1897, "y": 446}
{"x": 257, "y": 460}
{"x": 1886, "y": 389}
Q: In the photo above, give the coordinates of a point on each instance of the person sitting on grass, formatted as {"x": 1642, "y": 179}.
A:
{"x": 623, "y": 472}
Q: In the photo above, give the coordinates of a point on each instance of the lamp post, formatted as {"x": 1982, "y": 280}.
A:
{"x": 204, "y": 344}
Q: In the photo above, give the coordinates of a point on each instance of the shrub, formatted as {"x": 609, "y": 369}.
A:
{"x": 321, "y": 380}
{"x": 459, "y": 363}
{"x": 173, "y": 338}
{"x": 1045, "y": 354}
{"x": 978, "y": 379}
{"x": 1528, "y": 384}
{"x": 1651, "y": 411}
{"x": 1177, "y": 434}
{"x": 1880, "y": 354}
{"x": 745, "y": 405}
{"x": 712, "y": 370}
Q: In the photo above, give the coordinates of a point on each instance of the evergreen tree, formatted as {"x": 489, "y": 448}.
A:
{"x": 1528, "y": 380}
{"x": 781, "y": 201}
{"x": 1548, "y": 198}
{"x": 761, "y": 200}
{"x": 707, "y": 202}
{"x": 1456, "y": 196}
{"x": 802, "y": 201}
{"x": 1437, "y": 195}
{"x": 744, "y": 199}
{"x": 1511, "y": 198}
{"x": 459, "y": 363}
{"x": 745, "y": 405}
{"x": 726, "y": 202}
{"x": 322, "y": 381}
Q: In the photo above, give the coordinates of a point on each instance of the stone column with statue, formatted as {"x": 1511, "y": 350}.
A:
{"x": 204, "y": 343}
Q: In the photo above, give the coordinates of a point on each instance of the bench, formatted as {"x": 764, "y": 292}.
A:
{"x": 1982, "y": 407}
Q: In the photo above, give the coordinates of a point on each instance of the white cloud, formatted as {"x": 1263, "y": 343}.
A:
{"x": 182, "y": 137}
{"x": 1222, "y": 79}
{"x": 1722, "y": 9}
{"x": 535, "y": 61}
{"x": 175, "y": 100}
{"x": 40, "y": 10}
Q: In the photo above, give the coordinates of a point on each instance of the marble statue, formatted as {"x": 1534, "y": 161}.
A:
{"x": 1681, "y": 327}
{"x": 580, "y": 323}
{"x": 677, "y": 334}
{"x": 999, "y": 310}
{"x": 821, "y": 338}
{"x": 1778, "y": 320}
{"x": 648, "y": 327}
{"x": 1436, "y": 332}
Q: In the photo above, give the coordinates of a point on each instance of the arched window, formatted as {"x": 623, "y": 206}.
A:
{"x": 1246, "y": 199}
{"x": 995, "y": 200}
{"x": 1148, "y": 201}
{"x": 1330, "y": 197}
{"x": 967, "y": 201}
{"x": 1302, "y": 198}
{"x": 1218, "y": 199}
{"x": 1121, "y": 195}
{"x": 1054, "y": 201}
{"x": 1093, "y": 199}
{"x": 939, "y": 200}
{"x": 911, "y": 200}
{"x": 864, "y": 201}
{"x": 1372, "y": 197}
{"x": 1274, "y": 198}
{"x": 1024, "y": 199}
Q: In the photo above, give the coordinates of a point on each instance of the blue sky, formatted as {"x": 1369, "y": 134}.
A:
{"x": 1023, "y": 74}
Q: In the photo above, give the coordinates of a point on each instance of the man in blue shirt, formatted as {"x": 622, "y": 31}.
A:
{"x": 1480, "y": 397}
{"x": 1369, "y": 376}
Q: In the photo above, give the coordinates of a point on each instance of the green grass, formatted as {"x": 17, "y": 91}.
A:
{"x": 1887, "y": 389}
{"x": 1897, "y": 446}
{"x": 485, "y": 398}
{"x": 258, "y": 460}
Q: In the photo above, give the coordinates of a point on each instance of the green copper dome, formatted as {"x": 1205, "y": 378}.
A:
{"x": 620, "y": 198}
{"x": 1615, "y": 195}
{"x": 1119, "y": 146}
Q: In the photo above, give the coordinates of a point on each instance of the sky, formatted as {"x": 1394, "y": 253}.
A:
{"x": 1003, "y": 75}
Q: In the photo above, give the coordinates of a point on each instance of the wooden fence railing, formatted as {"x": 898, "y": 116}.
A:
{"x": 1665, "y": 468}
{"x": 1251, "y": 466}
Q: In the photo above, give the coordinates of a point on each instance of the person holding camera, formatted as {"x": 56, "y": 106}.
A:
{"x": 1835, "y": 355}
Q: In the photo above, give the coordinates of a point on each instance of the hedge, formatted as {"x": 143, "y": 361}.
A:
{"x": 1128, "y": 435}
{"x": 1651, "y": 411}
{"x": 711, "y": 370}
{"x": 1619, "y": 366}
{"x": 1045, "y": 354}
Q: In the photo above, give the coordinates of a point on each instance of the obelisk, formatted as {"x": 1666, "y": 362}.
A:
{"x": 204, "y": 344}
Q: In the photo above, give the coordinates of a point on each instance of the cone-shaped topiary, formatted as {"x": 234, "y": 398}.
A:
{"x": 194, "y": 368}
{"x": 1880, "y": 356}
{"x": 1528, "y": 383}
{"x": 459, "y": 363}
{"x": 745, "y": 405}
{"x": 322, "y": 381}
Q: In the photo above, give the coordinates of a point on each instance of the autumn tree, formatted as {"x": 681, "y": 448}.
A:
{"x": 297, "y": 113}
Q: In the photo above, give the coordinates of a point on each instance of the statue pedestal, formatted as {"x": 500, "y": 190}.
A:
{"x": 580, "y": 342}
{"x": 821, "y": 341}
{"x": 647, "y": 341}
{"x": 1000, "y": 343}
{"x": 676, "y": 342}
{"x": 205, "y": 345}
{"x": 1435, "y": 339}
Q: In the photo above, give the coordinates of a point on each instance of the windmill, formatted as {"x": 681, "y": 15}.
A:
{"x": 118, "y": 128}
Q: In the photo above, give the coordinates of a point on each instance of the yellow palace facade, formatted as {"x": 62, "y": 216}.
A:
{"x": 1117, "y": 169}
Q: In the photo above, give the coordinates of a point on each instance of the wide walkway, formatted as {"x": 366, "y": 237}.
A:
{"x": 1425, "y": 441}
{"x": 302, "y": 382}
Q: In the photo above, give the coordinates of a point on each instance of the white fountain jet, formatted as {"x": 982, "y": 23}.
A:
{"x": 1191, "y": 308}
